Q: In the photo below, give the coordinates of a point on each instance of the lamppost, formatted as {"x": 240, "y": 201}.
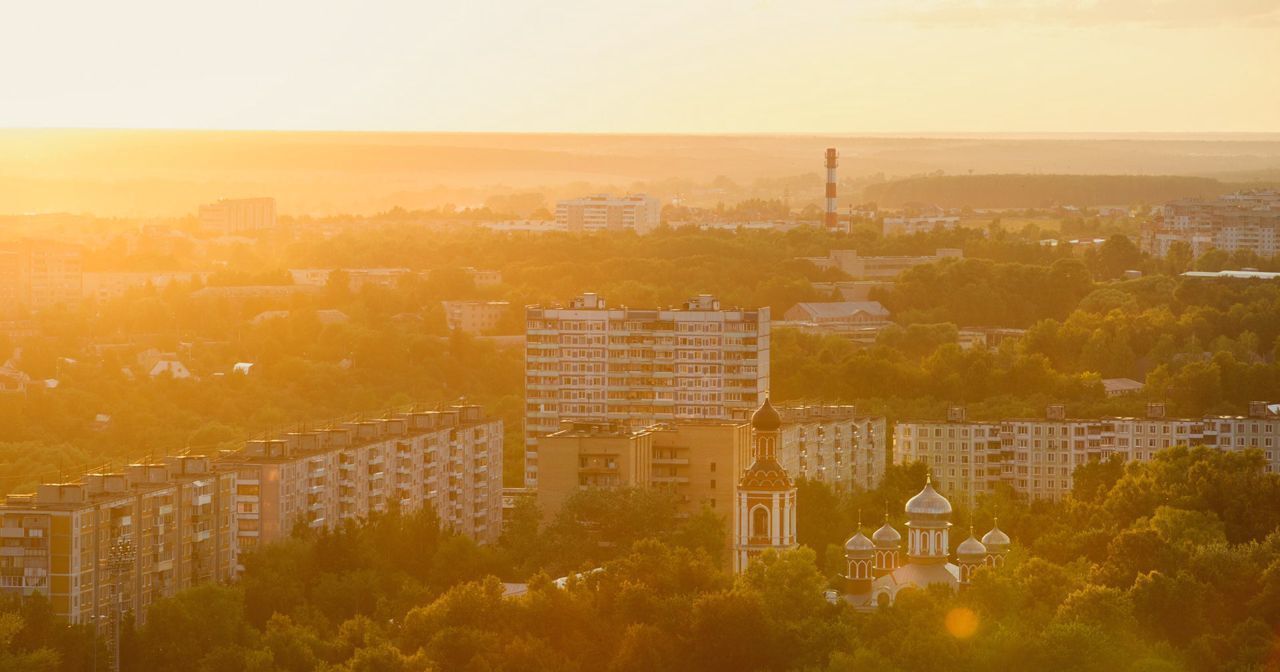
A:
{"x": 119, "y": 557}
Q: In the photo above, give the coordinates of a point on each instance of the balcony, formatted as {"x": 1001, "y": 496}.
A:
{"x": 676, "y": 461}
{"x": 680, "y": 480}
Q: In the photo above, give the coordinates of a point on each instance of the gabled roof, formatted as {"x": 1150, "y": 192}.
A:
{"x": 844, "y": 308}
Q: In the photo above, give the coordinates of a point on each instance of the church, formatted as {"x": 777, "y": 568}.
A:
{"x": 876, "y": 569}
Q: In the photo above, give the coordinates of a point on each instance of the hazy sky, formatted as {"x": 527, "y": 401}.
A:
{"x": 653, "y": 66}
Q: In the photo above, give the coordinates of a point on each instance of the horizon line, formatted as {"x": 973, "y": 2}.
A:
{"x": 935, "y": 134}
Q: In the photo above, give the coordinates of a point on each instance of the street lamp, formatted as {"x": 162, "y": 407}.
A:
{"x": 119, "y": 557}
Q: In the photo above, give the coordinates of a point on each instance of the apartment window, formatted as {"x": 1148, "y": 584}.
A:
{"x": 713, "y": 484}
{"x": 713, "y": 467}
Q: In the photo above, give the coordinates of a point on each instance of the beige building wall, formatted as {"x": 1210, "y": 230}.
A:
{"x": 698, "y": 462}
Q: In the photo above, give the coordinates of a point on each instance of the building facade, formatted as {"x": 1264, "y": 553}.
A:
{"x": 112, "y": 543}
{"x": 448, "y": 460}
{"x": 115, "y": 542}
{"x": 602, "y": 212}
{"x": 475, "y": 317}
{"x": 910, "y": 226}
{"x": 640, "y": 367}
{"x": 1241, "y": 222}
{"x": 860, "y": 267}
{"x": 1037, "y": 457}
{"x": 834, "y": 445}
{"x": 36, "y": 275}
{"x": 698, "y": 462}
{"x": 238, "y": 216}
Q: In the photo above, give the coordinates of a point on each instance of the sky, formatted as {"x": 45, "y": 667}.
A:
{"x": 659, "y": 66}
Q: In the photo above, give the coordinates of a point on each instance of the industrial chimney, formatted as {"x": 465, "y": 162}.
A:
{"x": 830, "y": 219}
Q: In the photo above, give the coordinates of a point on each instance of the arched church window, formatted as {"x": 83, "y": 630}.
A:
{"x": 760, "y": 522}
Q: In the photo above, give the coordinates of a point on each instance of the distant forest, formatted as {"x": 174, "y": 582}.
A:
{"x": 1038, "y": 191}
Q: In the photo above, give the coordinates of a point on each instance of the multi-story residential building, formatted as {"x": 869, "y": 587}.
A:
{"x": 356, "y": 278}
{"x": 698, "y": 461}
{"x": 1260, "y": 429}
{"x": 833, "y": 445}
{"x": 1037, "y": 457}
{"x": 234, "y": 216}
{"x": 35, "y": 275}
{"x": 1243, "y": 222}
{"x": 602, "y": 212}
{"x": 965, "y": 457}
{"x": 115, "y": 542}
{"x": 877, "y": 268}
{"x": 908, "y": 225}
{"x": 640, "y": 367}
{"x": 475, "y": 317}
{"x": 449, "y": 460}
{"x": 107, "y": 285}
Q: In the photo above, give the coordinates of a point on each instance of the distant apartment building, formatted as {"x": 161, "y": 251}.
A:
{"x": 357, "y": 278}
{"x": 237, "y": 216}
{"x": 602, "y": 212}
{"x": 1242, "y": 222}
{"x": 36, "y": 275}
{"x": 640, "y": 366}
{"x": 528, "y": 226}
{"x": 878, "y": 268}
{"x": 484, "y": 277}
{"x": 911, "y": 225}
{"x": 475, "y": 317}
{"x": 698, "y": 462}
{"x": 1037, "y": 457}
{"x": 833, "y": 445}
{"x": 107, "y": 285}
{"x": 449, "y": 460}
{"x": 116, "y": 542}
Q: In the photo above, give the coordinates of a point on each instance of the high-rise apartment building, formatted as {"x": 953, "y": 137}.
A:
{"x": 115, "y": 542}
{"x": 640, "y": 367}
{"x": 450, "y": 460}
{"x": 602, "y": 212}
{"x": 833, "y": 445}
{"x": 233, "y": 216}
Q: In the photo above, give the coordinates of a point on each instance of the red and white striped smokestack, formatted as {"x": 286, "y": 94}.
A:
{"x": 831, "y": 220}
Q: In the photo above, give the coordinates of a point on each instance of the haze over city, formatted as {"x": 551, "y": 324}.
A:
{"x": 772, "y": 336}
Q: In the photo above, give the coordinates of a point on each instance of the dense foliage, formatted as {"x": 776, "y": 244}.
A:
{"x": 1035, "y": 191}
{"x": 1205, "y": 345}
{"x": 1168, "y": 565}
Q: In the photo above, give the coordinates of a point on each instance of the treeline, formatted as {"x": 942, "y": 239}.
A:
{"x": 1039, "y": 191}
{"x": 1203, "y": 345}
{"x": 1172, "y": 564}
